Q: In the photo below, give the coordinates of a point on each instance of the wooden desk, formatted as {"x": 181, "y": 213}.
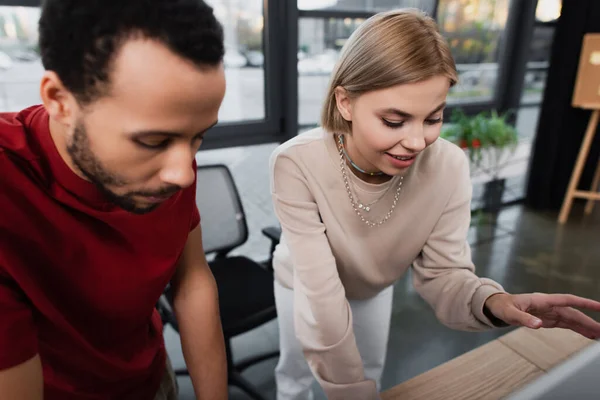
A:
{"x": 494, "y": 370}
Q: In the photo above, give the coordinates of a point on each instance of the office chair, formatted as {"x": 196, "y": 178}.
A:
{"x": 246, "y": 297}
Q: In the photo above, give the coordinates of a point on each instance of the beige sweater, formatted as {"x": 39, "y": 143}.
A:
{"x": 328, "y": 255}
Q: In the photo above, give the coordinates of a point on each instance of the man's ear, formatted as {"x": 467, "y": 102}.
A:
{"x": 344, "y": 103}
{"x": 58, "y": 101}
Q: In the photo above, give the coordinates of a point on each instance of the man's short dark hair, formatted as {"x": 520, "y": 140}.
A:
{"x": 79, "y": 39}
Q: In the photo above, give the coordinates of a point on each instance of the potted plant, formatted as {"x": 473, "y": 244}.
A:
{"x": 490, "y": 142}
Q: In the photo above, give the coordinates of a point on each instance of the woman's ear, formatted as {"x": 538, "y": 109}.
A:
{"x": 344, "y": 103}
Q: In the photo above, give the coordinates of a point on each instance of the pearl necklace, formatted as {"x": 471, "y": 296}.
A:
{"x": 357, "y": 206}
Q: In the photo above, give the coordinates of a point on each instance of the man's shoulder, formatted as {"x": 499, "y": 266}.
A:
{"x": 14, "y": 131}
{"x": 20, "y": 152}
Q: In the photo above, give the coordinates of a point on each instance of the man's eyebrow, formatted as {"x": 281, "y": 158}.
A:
{"x": 141, "y": 134}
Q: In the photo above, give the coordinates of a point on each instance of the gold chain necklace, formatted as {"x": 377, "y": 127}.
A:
{"x": 356, "y": 205}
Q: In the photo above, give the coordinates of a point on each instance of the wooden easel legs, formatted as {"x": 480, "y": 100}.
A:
{"x": 589, "y": 207}
{"x": 572, "y": 191}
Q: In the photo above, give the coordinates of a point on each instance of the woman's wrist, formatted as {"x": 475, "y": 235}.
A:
{"x": 487, "y": 311}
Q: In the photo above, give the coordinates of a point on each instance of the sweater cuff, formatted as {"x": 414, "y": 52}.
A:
{"x": 478, "y": 303}
{"x": 365, "y": 390}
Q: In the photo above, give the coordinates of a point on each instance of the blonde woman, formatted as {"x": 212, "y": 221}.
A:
{"x": 371, "y": 193}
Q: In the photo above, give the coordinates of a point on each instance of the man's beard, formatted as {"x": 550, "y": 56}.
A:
{"x": 89, "y": 165}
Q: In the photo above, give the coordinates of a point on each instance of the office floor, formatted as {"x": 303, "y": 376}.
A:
{"x": 523, "y": 250}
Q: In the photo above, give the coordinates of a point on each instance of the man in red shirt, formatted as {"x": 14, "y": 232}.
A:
{"x": 97, "y": 205}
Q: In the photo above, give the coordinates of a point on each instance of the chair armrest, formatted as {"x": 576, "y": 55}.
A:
{"x": 273, "y": 233}
{"x": 166, "y": 312}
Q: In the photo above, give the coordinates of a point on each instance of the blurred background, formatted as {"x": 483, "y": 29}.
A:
{"x": 279, "y": 59}
{"x": 517, "y": 61}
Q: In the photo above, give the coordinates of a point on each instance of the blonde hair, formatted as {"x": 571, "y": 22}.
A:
{"x": 388, "y": 49}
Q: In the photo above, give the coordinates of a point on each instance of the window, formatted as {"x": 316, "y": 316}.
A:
{"x": 320, "y": 40}
{"x": 364, "y": 5}
{"x": 546, "y": 14}
{"x": 244, "y": 59}
{"x": 535, "y": 83}
{"x": 474, "y": 29}
{"x": 21, "y": 67}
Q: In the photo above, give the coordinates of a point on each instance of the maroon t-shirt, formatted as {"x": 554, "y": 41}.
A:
{"x": 80, "y": 277}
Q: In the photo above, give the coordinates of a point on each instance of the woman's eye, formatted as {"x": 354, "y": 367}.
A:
{"x": 391, "y": 124}
{"x": 433, "y": 121}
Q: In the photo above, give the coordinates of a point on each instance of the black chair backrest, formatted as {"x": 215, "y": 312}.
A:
{"x": 222, "y": 216}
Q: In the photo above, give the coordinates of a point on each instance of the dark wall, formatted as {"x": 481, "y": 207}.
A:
{"x": 561, "y": 127}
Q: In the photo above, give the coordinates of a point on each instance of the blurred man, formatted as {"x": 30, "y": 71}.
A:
{"x": 97, "y": 205}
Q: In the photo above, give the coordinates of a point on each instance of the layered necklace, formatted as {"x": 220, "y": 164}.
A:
{"x": 358, "y": 206}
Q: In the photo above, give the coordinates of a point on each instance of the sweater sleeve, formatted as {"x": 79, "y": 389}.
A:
{"x": 443, "y": 273}
{"x": 322, "y": 315}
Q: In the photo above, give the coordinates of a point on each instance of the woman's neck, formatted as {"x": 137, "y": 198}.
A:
{"x": 371, "y": 174}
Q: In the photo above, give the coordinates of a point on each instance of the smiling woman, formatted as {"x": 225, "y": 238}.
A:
{"x": 375, "y": 128}
{"x": 367, "y": 196}
{"x": 416, "y": 86}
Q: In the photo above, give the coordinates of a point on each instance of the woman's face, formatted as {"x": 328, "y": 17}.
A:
{"x": 390, "y": 127}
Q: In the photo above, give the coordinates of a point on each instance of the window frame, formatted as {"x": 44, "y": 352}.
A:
{"x": 271, "y": 128}
{"x": 245, "y": 132}
{"x": 511, "y": 65}
{"x": 280, "y": 46}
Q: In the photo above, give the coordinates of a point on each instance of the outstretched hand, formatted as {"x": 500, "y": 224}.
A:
{"x": 540, "y": 310}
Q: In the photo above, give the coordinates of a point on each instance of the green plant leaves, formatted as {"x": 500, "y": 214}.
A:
{"x": 486, "y": 135}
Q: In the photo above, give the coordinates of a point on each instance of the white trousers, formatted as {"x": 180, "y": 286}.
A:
{"x": 371, "y": 323}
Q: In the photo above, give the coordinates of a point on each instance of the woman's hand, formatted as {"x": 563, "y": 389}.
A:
{"x": 540, "y": 310}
